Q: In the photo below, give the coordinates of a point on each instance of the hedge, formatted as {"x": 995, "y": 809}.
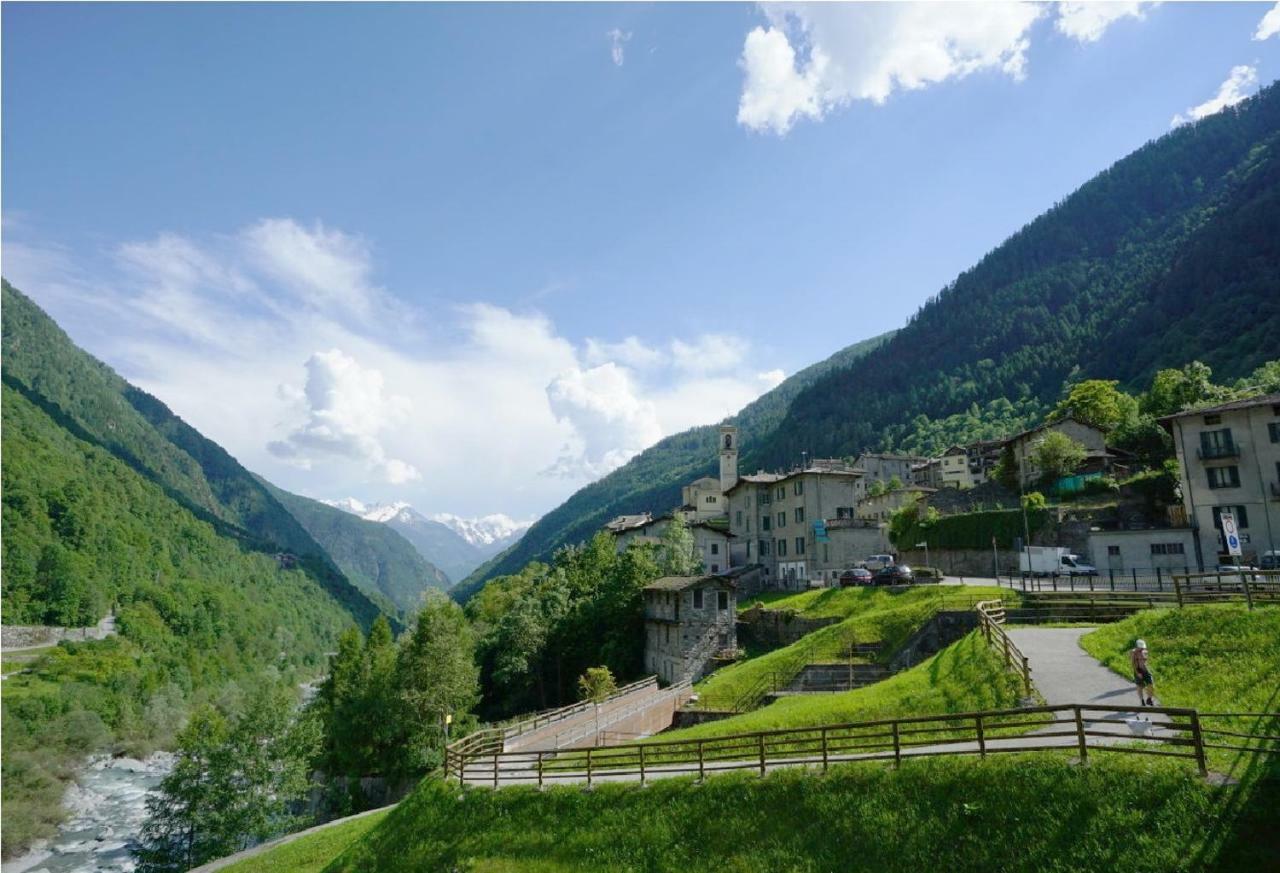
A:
{"x": 971, "y": 530}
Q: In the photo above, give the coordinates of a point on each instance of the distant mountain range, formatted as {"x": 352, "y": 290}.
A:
{"x": 454, "y": 544}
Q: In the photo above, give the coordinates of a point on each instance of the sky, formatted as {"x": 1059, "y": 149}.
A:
{"x": 474, "y": 257}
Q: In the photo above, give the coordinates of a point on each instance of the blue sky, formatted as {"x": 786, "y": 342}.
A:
{"x": 473, "y": 256}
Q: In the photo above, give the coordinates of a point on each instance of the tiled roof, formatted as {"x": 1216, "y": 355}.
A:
{"x": 681, "y": 583}
{"x": 1230, "y": 406}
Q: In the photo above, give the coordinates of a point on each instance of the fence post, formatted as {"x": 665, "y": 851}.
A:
{"x": 1177, "y": 587}
{"x": 1198, "y": 738}
{"x": 1111, "y": 572}
{"x": 1159, "y": 579}
{"x": 701, "y": 766}
{"x": 761, "y": 736}
{"x": 589, "y": 767}
{"x": 642, "y": 764}
{"x": 1248, "y": 594}
{"x": 1008, "y": 659}
{"x": 1026, "y": 675}
{"x": 1084, "y": 748}
{"x": 824, "y": 750}
{"x": 1134, "y": 571}
{"x": 982, "y": 740}
{"x": 897, "y": 747}
{"x": 539, "y": 770}
{"x": 495, "y": 769}
{"x": 1090, "y": 578}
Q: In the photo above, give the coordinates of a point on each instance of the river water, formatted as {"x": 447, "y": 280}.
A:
{"x": 106, "y": 807}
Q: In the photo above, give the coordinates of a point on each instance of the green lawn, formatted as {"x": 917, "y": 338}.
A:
{"x": 1020, "y": 813}
{"x": 311, "y": 853}
{"x": 1220, "y": 658}
{"x": 870, "y": 614}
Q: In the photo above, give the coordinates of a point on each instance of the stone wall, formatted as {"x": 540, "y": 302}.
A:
{"x": 13, "y": 636}
{"x": 939, "y": 632}
{"x": 769, "y": 629}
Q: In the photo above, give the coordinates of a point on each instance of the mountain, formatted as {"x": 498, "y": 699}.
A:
{"x": 1169, "y": 255}
{"x": 437, "y": 543}
{"x": 490, "y": 534}
{"x": 377, "y": 559}
{"x": 652, "y": 479}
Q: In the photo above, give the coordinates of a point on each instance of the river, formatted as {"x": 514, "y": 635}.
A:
{"x": 106, "y": 807}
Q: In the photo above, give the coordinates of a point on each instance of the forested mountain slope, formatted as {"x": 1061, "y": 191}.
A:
{"x": 375, "y": 557}
{"x": 1170, "y": 255}
{"x": 652, "y": 479}
{"x": 96, "y": 405}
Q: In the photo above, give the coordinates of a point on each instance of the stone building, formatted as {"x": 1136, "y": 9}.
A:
{"x": 881, "y": 506}
{"x": 688, "y": 622}
{"x": 711, "y": 536}
{"x": 703, "y": 499}
{"x": 883, "y": 466}
{"x": 1093, "y": 439}
{"x": 1229, "y": 456}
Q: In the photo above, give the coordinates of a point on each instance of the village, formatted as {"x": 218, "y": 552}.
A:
{"x": 829, "y": 522}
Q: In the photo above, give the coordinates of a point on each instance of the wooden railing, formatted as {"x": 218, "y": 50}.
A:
{"x": 1077, "y": 728}
{"x": 1251, "y": 586}
{"x": 991, "y": 617}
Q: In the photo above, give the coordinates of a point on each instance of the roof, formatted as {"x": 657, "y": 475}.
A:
{"x": 704, "y": 480}
{"x": 1229, "y": 406}
{"x": 1049, "y": 424}
{"x": 890, "y": 456}
{"x": 683, "y": 583}
{"x": 628, "y": 522}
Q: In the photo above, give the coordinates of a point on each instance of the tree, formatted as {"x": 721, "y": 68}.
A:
{"x": 1006, "y": 469}
{"x": 894, "y": 484}
{"x": 596, "y": 685}
{"x": 678, "y": 556}
{"x": 1097, "y": 402}
{"x": 1056, "y": 455}
{"x": 876, "y": 488}
{"x": 1264, "y": 380}
{"x": 232, "y": 784}
{"x": 1033, "y": 500}
{"x": 1175, "y": 390}
{"x": 436, "y": 676}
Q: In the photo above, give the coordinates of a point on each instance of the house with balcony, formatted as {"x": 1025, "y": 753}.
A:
{"x": 1229, "y": 455}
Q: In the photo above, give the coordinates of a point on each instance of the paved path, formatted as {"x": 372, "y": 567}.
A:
{"x": 1065, "y": 673}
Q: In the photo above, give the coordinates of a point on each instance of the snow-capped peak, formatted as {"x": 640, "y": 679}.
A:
{"x": 347, "y": 504}
{"x": 386, "y": 512}
{"x": 484, "y": 530}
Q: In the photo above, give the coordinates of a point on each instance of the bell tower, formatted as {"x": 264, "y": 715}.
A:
{"x": 728, "y": 457}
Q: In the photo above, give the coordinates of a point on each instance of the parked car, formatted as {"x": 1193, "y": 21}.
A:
{"x": 878, "y": 562}
{"x": 1270, "y": 560}
{"x": 894, "y": 574}
{"x": 856, "y": 576}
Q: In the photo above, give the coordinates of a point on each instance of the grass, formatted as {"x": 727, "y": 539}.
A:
{"x": 870, "y": 614}
{"x": 1218, "y": 658}
{"x": 1019, "y": 813}
{"x": 964, "y": 677}
{"x": 311, "y": 853}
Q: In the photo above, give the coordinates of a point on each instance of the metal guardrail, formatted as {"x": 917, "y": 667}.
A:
{"x": 1081, "y": 728}
{"x": 550, "y": 716}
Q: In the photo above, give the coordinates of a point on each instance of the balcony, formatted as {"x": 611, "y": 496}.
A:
{"x": 1213, "y": 453}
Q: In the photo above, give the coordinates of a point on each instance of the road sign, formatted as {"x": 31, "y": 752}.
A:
{"x": 1230, "y": 534}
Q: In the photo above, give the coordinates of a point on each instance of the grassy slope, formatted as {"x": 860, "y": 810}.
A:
{"x": 873, "y": 614}
{"x": 310, "y": 853}
{"x": 963, "y": 677}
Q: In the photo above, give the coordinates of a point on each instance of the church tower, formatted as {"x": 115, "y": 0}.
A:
{"x": 728, "y": 457}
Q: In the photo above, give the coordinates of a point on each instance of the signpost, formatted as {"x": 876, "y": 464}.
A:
{"x": 925, "y": 545}
{"x": 1231, "y": 535}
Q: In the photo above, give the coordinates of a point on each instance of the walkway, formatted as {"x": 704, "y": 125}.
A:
{"x": 1065, "y": 673}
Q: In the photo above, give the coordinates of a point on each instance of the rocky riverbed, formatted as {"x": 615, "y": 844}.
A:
{"x": 105, "y": 810}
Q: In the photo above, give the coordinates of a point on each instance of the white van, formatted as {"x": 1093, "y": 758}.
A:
{"x": 878, "y": 562}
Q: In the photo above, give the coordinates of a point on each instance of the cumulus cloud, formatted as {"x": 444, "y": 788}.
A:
{"x": 1087, "y": 22}
{"x": 345, "y": 412}
{"x": 1239, "y": 84}
{"x": 814, "y": 57}
{"x": 256, "y": 337}
{"x": 1269, "y": 26}
{"x": 617, "y": 45}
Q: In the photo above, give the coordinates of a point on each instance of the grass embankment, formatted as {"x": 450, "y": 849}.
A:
{"x": 1021, "y": 813}
{"x": 1220, "y": 658}
{"x": 964, "y": 677}
{"x": 310, "y": 853}
{"x": 870, "y": 615}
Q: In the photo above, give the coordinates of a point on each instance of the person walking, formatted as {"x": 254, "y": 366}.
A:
{"x": 1139, "y": 657}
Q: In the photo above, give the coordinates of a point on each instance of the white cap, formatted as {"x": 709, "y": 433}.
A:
{"x": 1141, "y": 644}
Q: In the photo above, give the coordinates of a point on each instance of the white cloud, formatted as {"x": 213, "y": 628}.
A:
{"x": 1237, "y": 87}
{"x": 345, "y": 412}
{"x": 617, "y": 42}
{"x": 459, "y": 409}
{"x": 1087, "y": 21}
{"x": 1269, "y": 26}
{"x": 815, "y": 57}
{"x": 771, "y": 379}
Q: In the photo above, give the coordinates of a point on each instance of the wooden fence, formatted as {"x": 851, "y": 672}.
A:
{"x": 525, "y": 724}
{"x": 991, "y": 618}
{"x": 1251, "y": 586}
{"x": 1081, "y": 729}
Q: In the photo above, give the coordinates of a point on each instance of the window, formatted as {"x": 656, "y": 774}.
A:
{"x": 1224, "y": 477}
{"x": 710, "y": 498}
{"x": 1217, "y": 444}
{"x": 1213, "y": 419}
{"x": 1242, "y": 517}
{"x": 715, "y": 548}
{"x": 782, "y": 492}
{"x": 799, "y": 545}
{"x": 798, "y": 488}
{"x": 1273, "y": 428}
{"x": 715, "y": 568}
{"x": 764, "y": 548}
{"x": 782, "y": 519}
{"x": 782, "y": 548}
{"x": 1113, "y": 551}
{"x": 799, "y": 515}
{"x": 1167, "y": 549}
{"x": 697, "y": 598}
{"x": 737, "y": 516}
{"x": 722, "y": 600}
{"x": 765, "y": 522}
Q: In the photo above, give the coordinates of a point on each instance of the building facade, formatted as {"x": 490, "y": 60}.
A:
{"x": 711, "y": 537}
{"x": 1093, "y": 439}
{"x": 1229, "y": 457}
{"x": 881, "y": 467}
{"x": 1118, "y": 552}
{"x": 881, "y": 506}
{"x": 689, "y": 621}
{"x": 703, "y": 499}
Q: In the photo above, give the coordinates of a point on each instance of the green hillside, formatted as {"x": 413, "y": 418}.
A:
{"x": 652, "y": 480}
{"x": 1169, "y": 256}
{"x": 94, "y": 403}
{"x": 375, "y": 557}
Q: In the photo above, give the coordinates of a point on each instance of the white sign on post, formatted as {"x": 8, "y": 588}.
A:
{"x": 1230, "y": 534}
